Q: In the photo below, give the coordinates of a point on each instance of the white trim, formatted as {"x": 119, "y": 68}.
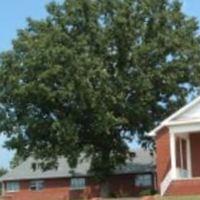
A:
{"x": 185, "y": 128}
{"x": 175, "y": 115}
{"x": 189, "y": 157}
{"x": 173, "y": 123}
{"x": 143, "y": 180}
{"x": 36, "y": 185}
{"x": 12, "y": 190}
{"x": 173, "y": 155}
{"x": 77, "y": 183}
{"x": 166, "y": 182}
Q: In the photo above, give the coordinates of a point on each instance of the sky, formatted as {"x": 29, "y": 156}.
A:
{"x": 13, "y": 14}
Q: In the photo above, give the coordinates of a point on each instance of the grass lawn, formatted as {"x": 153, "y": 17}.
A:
{"x": 179, "y": 198}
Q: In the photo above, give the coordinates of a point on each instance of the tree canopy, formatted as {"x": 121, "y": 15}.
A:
{"x": 92, "y": 75}
{"x": 16, "y": 161}
{"x": 3, "y": 171}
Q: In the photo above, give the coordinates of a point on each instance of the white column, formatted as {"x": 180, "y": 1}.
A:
{"x": 173, "y": 155}
{"x": 189, "y": 157}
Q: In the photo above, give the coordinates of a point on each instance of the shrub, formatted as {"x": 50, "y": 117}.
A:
{"x": 147, "y": 192}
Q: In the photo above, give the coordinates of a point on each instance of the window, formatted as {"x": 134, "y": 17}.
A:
{"x": 12, "y": 186}
{"x": 77, "y": 183}
{"x": 36, "y": 185}
{"x": 143, "y": 180}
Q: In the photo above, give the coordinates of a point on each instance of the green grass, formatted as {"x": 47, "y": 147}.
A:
{"x": 179, "y": 198}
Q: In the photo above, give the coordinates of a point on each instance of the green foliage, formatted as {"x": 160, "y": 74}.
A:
{"x": 3, "y": 171}
{"x": 112, "y": 195}
{"x": 92, "y": 75}
{"x": 147, "y": 192}
{"x": 16, "y": 160}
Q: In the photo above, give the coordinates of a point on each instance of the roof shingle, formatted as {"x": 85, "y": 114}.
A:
{"x": 143, "y": 162}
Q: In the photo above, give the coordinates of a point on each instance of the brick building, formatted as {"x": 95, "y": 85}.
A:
{"x": 24, "y": 183}
{"x": 178, "y": 148}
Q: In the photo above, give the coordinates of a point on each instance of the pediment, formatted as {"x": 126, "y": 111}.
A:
{"x": 189, "y": 114}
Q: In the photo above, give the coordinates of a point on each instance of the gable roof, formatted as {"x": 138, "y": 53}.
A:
{"x": 175, "y": 118}
{"x": 143, "y": 162}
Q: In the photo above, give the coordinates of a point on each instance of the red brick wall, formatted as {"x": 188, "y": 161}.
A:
{"x": 55, "y": 189}
{"x": 195, "y": 151}
{"x": 92, "y": 190}
{"x": 119, "y": 186}
{"x": 184, "y": 187}
{"x": 124, "y": 185}
{"x": 163, "y": 160}
{"x": 188, "y": 186}
{"x": 178, "y": 187}
{"x": 58, "y": 189}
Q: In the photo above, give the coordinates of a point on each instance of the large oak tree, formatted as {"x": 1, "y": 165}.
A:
{"x": 92, "y": 75}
